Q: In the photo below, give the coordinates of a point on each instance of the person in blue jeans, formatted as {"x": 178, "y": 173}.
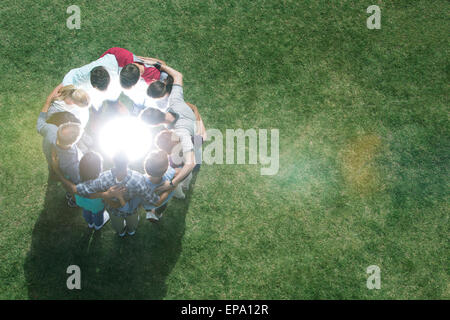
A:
{"x": 90, "y": 167}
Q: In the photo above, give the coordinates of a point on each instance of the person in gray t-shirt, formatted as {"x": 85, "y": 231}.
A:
{"x": 47, "y": 127}
{"x": 65, "y": 151}
{"x": 182, "y": 119}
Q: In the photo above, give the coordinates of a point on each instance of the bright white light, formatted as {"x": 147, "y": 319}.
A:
{"x": 126, "y": 134}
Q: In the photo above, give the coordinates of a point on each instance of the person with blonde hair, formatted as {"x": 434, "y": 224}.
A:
{"x": 73, "y": 100}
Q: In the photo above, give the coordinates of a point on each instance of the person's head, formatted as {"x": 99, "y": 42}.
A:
{"x": 71, "y": 95}
{"x": 156, "y": 163}
{"x": 129, "y": 76}
{"x": 100, "y": 78}
{"x": 68, "y": 134}
{"x": 80, "y": 98}
{"x": 59, "y": 118}
{"x": 153, "y": 116}
{"x": 166, "y": 140}
{"x": 91, "y": 165}
{"x": 160, "y": 89}
{"x": 120, "y": 161}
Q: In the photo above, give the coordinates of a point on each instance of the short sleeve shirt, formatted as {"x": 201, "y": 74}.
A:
{"x": 81, "y": 79}
{"x": 48, "y": 132}
{"x": 170, "y": 173}
{"x": 184, "y": 125}
{"x": 124, "y": 57}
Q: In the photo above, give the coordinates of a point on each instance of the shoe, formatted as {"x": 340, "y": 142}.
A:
{"x": 71, "y": 203}
{"x": 68, "y": 195}
{"x": 186, "y": 182}
{"x": 105, "y": 220}
{"x": 178, "y": 193}
{"x": 124, "y": 229}
{"x": 131, "y": 233}
{"x": 91, "y": 225}
{"x": 151, "y": 216}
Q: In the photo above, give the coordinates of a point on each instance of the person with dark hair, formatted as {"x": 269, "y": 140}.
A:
{"x": 182, "y": 119}
{"x": 125, "y": 218}
{"x": 169, "y": 142}
{"x": 93, "y": 204}
{"x": 136, "y": 74}
{"x": 129, "y": 75}
{"x": 153, "y": 116}
{"x": 58, "y": 118}
{"x": 134, "y": 67}
{"x": 100, "y": 78}
{"x": 157, "y": 171}
{"x": 160, "y": 89}
{"x": 91, "y": 165}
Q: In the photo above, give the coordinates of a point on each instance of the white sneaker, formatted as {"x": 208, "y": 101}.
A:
{"x": 186, "y": 182}
{"x": 150, "y": 215}
{"x": 178, "y": 193}
{"x": 91, "y": 225}
{"x": 124, "y": 229}
{"x": 105, "y": 220}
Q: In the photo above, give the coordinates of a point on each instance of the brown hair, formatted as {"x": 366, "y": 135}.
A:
{"x": 91, "y": 165}
{"x": 166, "y": 140}
{"x": 156, "y": 163}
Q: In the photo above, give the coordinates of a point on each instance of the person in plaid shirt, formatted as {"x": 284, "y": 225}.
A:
{"x": 123, "y": 219}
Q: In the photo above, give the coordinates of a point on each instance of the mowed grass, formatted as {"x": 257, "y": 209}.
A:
{"x": 364, "y": 152}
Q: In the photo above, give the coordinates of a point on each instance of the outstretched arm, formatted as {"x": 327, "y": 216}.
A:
{"x": 113, "y": 192}
{"x": 177, "y": 76}
{"x": 151, "y": 60}
{"x": 50, "y": 97}
{"x": 188, "y": 166}
{"x": 201, "y": 130}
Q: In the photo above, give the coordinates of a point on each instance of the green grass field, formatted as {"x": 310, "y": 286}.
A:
{"x": 364, "y": 152}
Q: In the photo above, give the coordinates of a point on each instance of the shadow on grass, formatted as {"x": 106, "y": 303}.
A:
{"x": 111, "y": 267}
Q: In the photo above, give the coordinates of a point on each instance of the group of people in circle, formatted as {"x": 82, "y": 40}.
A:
{"x": 121, "y": 84}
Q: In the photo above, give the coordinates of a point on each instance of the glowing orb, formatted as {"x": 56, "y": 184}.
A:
{"x": 126, "y": 134}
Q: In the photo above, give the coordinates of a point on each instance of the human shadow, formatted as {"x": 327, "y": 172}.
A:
{"x": 111, "y": 267}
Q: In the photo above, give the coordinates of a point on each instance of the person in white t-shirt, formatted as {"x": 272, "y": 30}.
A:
{"x": 75, "y": 101}
{"x": 100, "y": 79}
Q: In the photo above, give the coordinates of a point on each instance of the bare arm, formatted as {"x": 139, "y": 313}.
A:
{"x": 163, "y": 196}
{"x": 151, "y": 60}
{"x": 188, "y": 166}
{"x": 50, "y": 97}
{"x": 113, "y": 192}
{"x": 68, "y": 185}
{"x": 177, "y": 76}
{"x": 201, "y": 130}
